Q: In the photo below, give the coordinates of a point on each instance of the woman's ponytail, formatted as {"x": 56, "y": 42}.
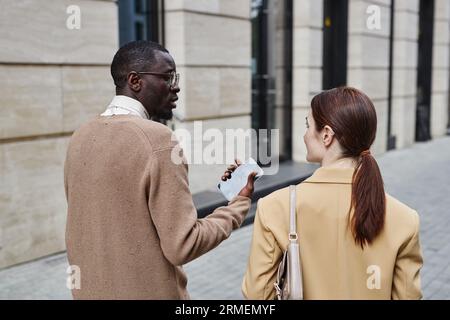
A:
{"x": 368, "y": 200}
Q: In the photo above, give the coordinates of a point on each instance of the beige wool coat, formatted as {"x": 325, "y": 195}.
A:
{"x": 334, "y": 267}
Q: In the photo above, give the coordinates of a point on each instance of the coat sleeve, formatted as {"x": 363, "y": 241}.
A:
{"x": 184, "y": 237}
{"x": 406, "y": 281}
{"x": 265, "y": 255}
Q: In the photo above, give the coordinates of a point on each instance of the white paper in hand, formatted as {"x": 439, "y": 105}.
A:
{"x": 239, "y": 177}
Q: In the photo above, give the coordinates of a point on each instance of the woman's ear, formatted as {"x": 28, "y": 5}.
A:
{"x": 327, "y": 136}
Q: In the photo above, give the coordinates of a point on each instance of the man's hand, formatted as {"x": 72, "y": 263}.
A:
{"x": 247, "y": 191}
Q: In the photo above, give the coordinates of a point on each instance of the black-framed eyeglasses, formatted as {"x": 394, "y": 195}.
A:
{"x": 172, "y": 81}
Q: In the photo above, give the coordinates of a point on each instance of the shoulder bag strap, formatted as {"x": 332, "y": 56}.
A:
{"x": 293, "y": 215}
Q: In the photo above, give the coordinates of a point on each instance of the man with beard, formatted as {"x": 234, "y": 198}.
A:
{"x": 131, "y": 221}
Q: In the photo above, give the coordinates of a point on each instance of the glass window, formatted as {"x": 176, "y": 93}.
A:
{"x": 141, "y": 20}
{"x": 272, "y": 71}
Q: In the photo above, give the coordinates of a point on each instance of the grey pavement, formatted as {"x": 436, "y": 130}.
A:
{"x": 418, "y": 176}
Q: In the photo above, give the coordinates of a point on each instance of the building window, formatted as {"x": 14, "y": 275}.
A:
{"x": 424, "y": 70}
{"x": 335, "y": 16}
{"x": 391, "y": 139}
{"x": 141, "y": 20}
{"x": 272, "y": 72}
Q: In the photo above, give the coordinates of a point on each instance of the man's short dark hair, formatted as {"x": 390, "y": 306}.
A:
{"x": 133, "y": 56}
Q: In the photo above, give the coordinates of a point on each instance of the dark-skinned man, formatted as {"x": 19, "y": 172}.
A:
{"x": 131, "y": 221}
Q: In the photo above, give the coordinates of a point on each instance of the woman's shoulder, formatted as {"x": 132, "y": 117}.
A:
{"x": 276, "y": 198}
{"x": 275, "y": 206}
{"x": 271, "y": 207}
{"x": 395, "y": 206}
{"x": 399, "y": 213}
{"x": 279, "y": 199}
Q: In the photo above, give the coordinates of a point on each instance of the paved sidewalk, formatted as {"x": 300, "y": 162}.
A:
{"x": 418, "y": 176}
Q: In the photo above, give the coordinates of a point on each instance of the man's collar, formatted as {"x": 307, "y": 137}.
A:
{"x": 121, "y": 104}
{"x": 332, "y": 175}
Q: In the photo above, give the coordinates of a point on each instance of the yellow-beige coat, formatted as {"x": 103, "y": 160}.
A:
{"x": 334, "y": 266}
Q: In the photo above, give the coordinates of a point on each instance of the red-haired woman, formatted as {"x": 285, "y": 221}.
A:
{"x": 356, "y": 242}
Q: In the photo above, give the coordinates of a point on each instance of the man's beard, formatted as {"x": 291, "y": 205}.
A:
{"x": 163, "y": 116}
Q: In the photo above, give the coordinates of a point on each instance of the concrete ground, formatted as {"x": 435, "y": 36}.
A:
{"x": 418, "y": 176}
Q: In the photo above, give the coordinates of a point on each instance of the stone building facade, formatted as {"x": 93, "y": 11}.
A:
{"x": 243, "y": 64}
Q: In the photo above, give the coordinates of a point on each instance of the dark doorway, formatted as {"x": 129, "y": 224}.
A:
{"x": 141, "y": 20}
{"x": 448, "y": 106}
{"x": 424, "y": 70}
{"x": 448, "y": 110}
{"x": 334, "y": 43}
{"x": 272, "y": 32}
{"x": 391, "y": 142}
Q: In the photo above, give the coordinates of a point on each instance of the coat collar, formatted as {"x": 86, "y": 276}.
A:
{"x": 331, "y": 175}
